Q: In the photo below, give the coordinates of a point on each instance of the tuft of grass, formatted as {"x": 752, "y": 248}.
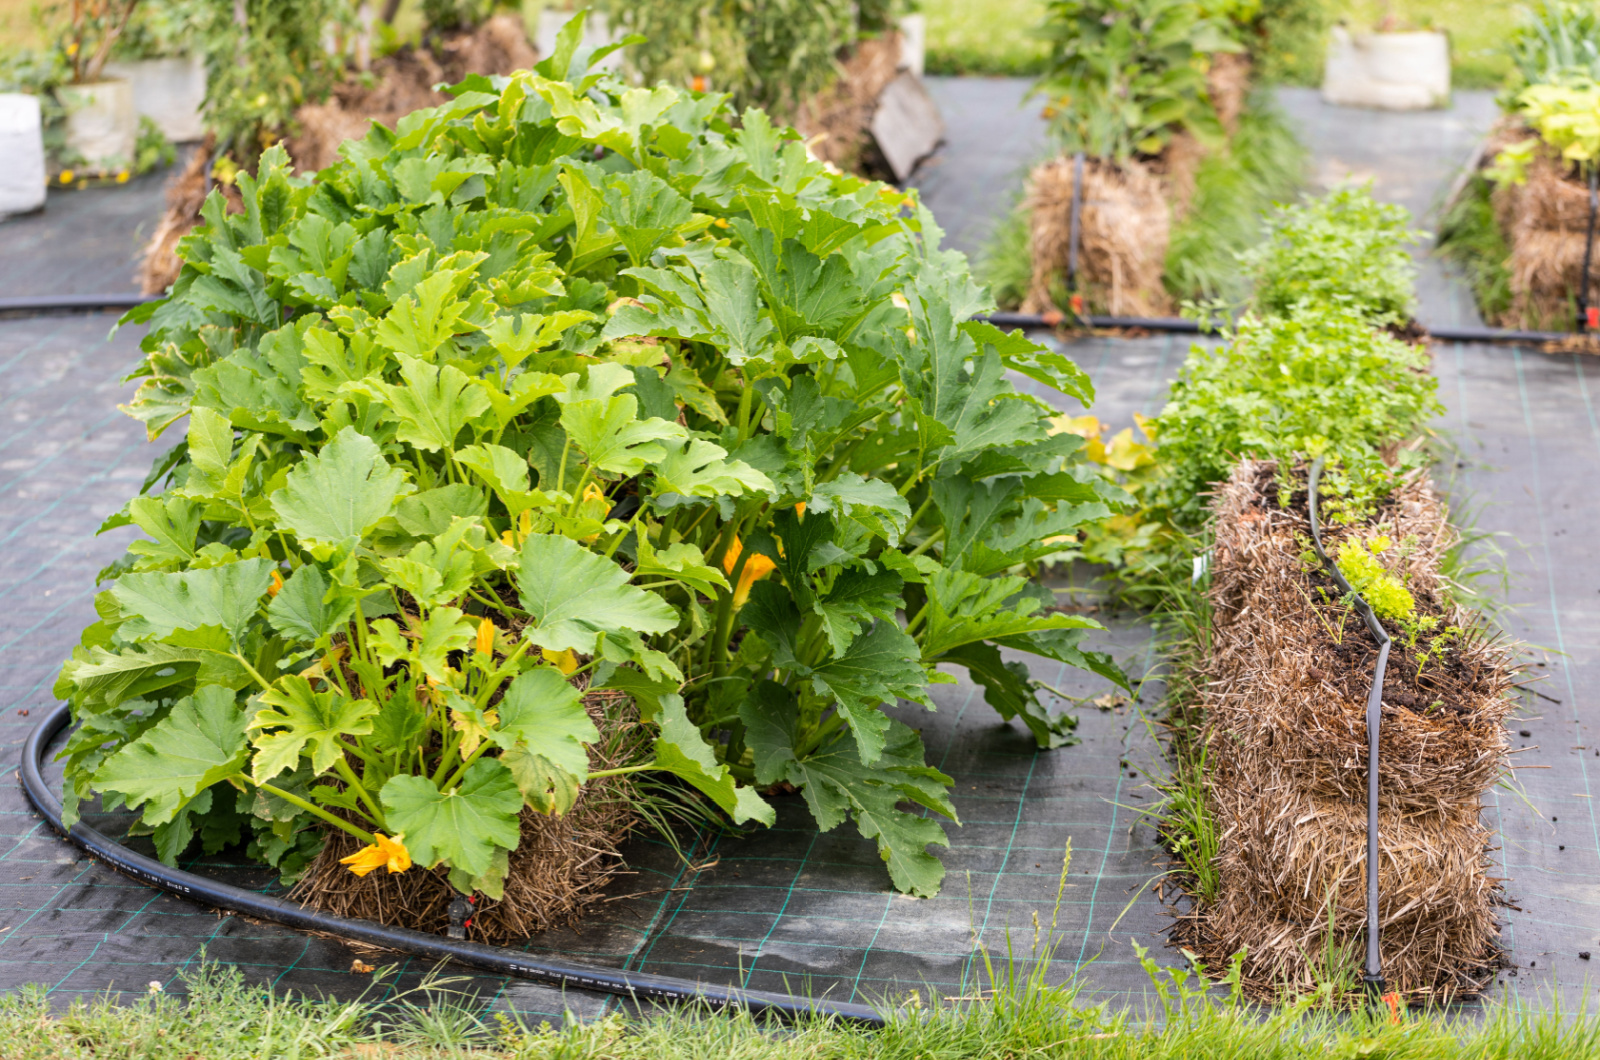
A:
{"x": 1263, "y": 164}
{"x": 1019, "y": 1006}
{"x": 1005, "y": 265}
{"x": 1470, "y": 237}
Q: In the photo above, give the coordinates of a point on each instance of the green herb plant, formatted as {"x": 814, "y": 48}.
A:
{"x": 1125, "y": 75}
{"x": 562, "y": 379}
{"x": 1343, "y": 249}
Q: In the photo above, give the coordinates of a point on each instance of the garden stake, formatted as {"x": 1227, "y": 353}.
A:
{"x": 1373, "y": 976}
{"x": 1589, "y": 316}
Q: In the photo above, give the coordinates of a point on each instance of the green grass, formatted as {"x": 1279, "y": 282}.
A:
{"x": 985, "y": 37}
{"x": 1470, "y": 237}
{"x": 1022, "y": 1015}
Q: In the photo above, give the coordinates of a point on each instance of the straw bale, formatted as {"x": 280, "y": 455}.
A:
{"x": 837, "y": 121}
{"x": 1546, "y": 222}
{"x": 1282, "y": 688}
{"x": 557, "y": 871}
{"x": 1125, "y": 227}
{"x": 1284, "y": 701}
{"x": 1228, "y": 85}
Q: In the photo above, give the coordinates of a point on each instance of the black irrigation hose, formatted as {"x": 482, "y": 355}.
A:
{"x": 556, "y": 972}
{"x": 1584, "y": 315}
{"x": 74, "y": 303}
{"x": 1374, "y": 973}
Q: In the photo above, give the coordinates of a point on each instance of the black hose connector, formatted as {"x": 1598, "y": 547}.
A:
{"x": 1373, "y": 976}
{"x": 563, "y": 973}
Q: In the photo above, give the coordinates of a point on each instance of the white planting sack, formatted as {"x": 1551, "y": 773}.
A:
{"x": 169, "y": 92}
{"x": 22, "y": 179}
{"x": 914, "y": 43}
{"x": 102, "y": 125}
{"x": 1387, "y": 71}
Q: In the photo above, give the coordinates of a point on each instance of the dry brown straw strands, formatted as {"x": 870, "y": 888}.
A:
{"x": 1284, "y": 694}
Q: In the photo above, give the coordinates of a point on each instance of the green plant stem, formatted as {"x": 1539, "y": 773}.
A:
{"x": 600, "y": 774}
{"x": 933, "y": 538}
{"x": 348, "y": 775}
{"x": 251, "y": 670}
{"x": 314, "y": 810}
{"x": 830, "y": 725}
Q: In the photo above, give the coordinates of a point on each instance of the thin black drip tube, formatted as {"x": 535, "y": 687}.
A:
{"x": 1373, "y": 976}
{"x": 1074, "y": 223}
{"x": 554, "y": 971}
{"x": 1588, "y": 249}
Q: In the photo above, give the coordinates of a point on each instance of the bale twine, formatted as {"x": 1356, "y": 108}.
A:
{"x": 1284, "y": 698}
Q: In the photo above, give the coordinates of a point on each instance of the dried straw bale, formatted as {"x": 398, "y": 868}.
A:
{"x": 1125, "y": 226}
{"x": 837, "y": 121}
{"x": 1228, "y": 85}
{"x": 557, "y": 871}
{"x": 1284, "y": 698}
{"x": 1546, "y": 222}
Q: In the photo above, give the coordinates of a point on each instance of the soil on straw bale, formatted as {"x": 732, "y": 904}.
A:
{"x": 1546, "y": 222}
{"x": 558, "y": 870}
{"x": 1284, "y": 701}
{"x": 401, "y": 83}
{"x": 837, "y": 121}
{"x": 1228, "y": 84}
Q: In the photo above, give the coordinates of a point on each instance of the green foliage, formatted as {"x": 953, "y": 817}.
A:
{"x": 1470, "y": 237}
{"x": 1261, "y": 164}
{"x": 261, "y": 69}
{"x": 1556, "y": 42}
{"x": 1384, "y": 593}
{"x": 1286, "y": 38}
{"x": 1345, "y": 249}
{"x": 995, "y": 38}
{"x": 1029, "y": 1008}
{"x": 1317, "y": 381}
{"x": 444, "y": 15}
{"x": 1125, "y": 75}
{"x": 764, "y": 53}
{"x": 567, "y": 374}
{"x": 162, "y": 28}
{"x": 1567, "y": 117}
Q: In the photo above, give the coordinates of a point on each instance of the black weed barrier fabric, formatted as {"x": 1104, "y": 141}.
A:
{"x": 789, "y": 909}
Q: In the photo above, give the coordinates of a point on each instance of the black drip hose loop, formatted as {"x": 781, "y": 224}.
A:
{"x": 552, "y": 970}
{"x": 1373, "y": 977}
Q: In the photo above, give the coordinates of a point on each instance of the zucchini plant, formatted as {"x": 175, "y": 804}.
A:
{"x": 568, "y": 382}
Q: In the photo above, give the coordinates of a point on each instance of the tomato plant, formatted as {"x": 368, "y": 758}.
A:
{"x": 569, "y": 380}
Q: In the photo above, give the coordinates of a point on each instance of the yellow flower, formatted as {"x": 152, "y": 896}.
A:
{"x": 66, "y": 176}
{"x": 122, "y": 176}
{"x": 756, "y": 567}
{"x": 565, "y": 661}
{"x": 800, "y": 508}
{"x": 486, "y": 632}
{"x": 277, "y": 584}
{"x": 593, "y": 492}
{"x": 72, "y": 49}
{"x": 385, "y": 853}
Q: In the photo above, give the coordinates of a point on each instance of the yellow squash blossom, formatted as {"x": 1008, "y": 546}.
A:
{"x": 593, "y": 492}
{"x": 277, "y": 584}
{"x": 385, "y": 853}
{"x": 565, "y": 661}
{"x": 756, "y": 567}
{"x": 486, "y": 632}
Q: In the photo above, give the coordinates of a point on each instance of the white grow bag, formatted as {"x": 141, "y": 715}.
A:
{"x": 169, "y": 92}
{"x": 1387, "y": 71}
{"x": 22, "y": 177}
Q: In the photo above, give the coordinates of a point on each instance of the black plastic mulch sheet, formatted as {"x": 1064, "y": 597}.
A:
{"x": 791, "y": 909}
